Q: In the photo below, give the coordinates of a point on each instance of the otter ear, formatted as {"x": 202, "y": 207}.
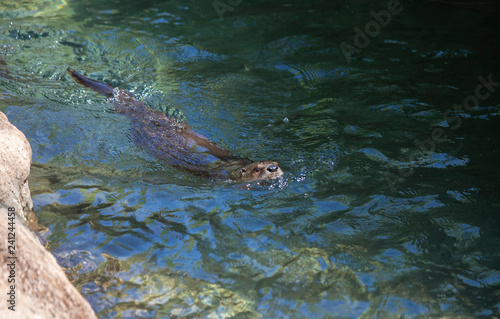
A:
{"x": 243, "y": 170}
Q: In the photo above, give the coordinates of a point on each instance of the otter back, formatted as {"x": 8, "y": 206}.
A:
{"x": 165, "y": 138}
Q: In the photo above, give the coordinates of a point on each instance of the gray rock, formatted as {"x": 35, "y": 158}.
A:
{"x": 15, "y": 162}
{"x": 30, "y": 274}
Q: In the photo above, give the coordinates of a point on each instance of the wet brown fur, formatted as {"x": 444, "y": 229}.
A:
{"x": 176, "y": 143}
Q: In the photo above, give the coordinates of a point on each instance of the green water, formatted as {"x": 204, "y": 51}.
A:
{"x": 389, "y": 206}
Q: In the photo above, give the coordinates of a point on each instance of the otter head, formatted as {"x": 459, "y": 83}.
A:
{"x": 257, "y": 171}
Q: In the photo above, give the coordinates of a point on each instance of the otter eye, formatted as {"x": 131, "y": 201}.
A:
{"x": 257, "y": 169}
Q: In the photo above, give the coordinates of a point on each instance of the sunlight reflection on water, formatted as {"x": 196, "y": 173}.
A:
{"x": 355, "y": 228}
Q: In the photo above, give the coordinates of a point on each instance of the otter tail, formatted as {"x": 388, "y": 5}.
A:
{"x": 97, "y": 86}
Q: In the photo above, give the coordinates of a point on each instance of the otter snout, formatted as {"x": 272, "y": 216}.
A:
{"x": 272, "y": 168}
{"x": 257, "y": 171}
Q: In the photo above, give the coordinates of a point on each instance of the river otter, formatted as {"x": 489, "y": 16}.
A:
{"x": 176, "y": 143}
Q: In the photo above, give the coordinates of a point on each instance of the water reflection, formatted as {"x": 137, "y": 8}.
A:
{"x": 357, "y": 227}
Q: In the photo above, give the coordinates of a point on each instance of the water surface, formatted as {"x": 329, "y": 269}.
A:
{"x": 389, "y": 205}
